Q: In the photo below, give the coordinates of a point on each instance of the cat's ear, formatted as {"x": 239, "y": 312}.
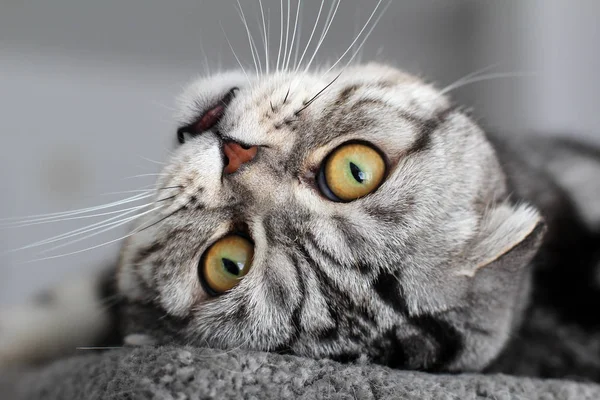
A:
{"x": 506, "y": 240}
{"x": 506, "y": 231}
{"x": 498, "y": 280}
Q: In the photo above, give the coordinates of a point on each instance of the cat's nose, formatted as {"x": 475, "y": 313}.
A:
{"x": 236, "y": 155}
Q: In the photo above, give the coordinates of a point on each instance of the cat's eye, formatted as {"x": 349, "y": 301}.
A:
{"x": 225, "y": 263}
{"x": 351, "y": 171}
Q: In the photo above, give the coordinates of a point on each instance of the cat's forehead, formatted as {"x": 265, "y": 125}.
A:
{"x": 281, "y": 97}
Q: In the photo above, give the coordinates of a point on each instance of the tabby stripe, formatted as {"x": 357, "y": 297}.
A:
{"x": 286, "y": 348}
{"x": 146, "y": 252}
{"x": 391, "y": 350}
{"x": 389, "y": 290}
{"x": 450, "y": 342}
{"x": 345, "y": 94}
{"x": 339, "y": 301}
{"x": 312, "y": 240}
{"x": 426, "y": 129}
{"x": 448, "y": 339}
{"x": 326, "y": 286}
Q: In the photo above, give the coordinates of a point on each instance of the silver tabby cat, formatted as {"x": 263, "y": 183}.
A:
{"x": 353, "y": 214}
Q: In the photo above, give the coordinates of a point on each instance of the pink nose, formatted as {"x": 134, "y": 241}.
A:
{"x": 237, "y": 155}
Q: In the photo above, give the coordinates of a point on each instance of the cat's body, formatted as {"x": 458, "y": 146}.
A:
{"x": 430, "y": 268}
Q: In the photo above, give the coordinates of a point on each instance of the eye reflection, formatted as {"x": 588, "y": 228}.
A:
{"x": 351, "y": 171}
{"x": 225, "y": 263}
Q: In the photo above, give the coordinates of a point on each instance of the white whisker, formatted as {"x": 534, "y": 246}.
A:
{"x": 362, "y": 43}
{"x": 80, "y": 231}
{"x": 359, "y": 35}
{"x": 265, "y": 37}
{"x": 328, "y": 20}
{"x": 166, "y": 107}
{"x": 146, "y": 190}
{"x": 323, "y": 35}
{"x": 253, "y": 49}
{"x": 287, "y": 64}
{"x": 280, "y": 35}
{"x": 220, "y": 58}
{"x": 297, "y": 51}
{"x": 151, "y": 160}
{"x": 98, "y": 348}
{"x": 206, "y": 63}
{"x": 287, "y": 34}
{"x": 255, "y": 46}
{"x": 310, "y": 37}
{"x": 357, "y": 20}
{"x": 144, "y": 175}
{"x": 62, "y": 219}
{"x": 472, "y": 74}
{"x": 40, "y": 217}
{"x": 235, "y": 55}
{"x": 268, "y": 27}
{"x": 123, "y": 222}
{"x": 486, "y": 78}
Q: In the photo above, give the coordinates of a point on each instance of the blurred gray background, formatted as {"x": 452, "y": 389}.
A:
{"x": 87, "y": 89}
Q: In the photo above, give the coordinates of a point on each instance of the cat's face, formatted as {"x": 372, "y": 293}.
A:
{"x": 371, "y": 220}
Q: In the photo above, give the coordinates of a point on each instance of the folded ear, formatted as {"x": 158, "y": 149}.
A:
{"x": 499, "y": 281}
{"x": 506, "y": 239}
{"x": 506, "y": 231}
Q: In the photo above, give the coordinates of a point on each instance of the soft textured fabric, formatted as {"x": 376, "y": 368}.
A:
{"x": 195, "y": 373}
{"x": 545, "y": 347}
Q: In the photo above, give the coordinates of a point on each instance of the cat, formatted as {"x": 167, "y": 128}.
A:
{"x": 374, "y": 220}
{"x": 354, "y": 213}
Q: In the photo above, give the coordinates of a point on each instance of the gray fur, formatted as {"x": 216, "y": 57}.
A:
{"x": 469, "y": 235}
{"x": 430, "y": 271}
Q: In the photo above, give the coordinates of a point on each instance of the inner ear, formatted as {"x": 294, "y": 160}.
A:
{"x": 504, "y": 229}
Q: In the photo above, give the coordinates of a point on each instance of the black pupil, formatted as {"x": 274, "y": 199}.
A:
{"x": 231, "y": 267}
{"x": 357, "y": 173}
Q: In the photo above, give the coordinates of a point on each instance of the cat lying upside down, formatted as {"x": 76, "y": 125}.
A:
{"x": 347, "y": 214}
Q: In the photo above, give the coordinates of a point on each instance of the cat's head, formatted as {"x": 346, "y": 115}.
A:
{"x": 333, "y": 215}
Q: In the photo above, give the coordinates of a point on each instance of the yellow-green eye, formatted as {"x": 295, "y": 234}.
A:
{"x": 225, "y": 263}
{"x": 351, "y": 171}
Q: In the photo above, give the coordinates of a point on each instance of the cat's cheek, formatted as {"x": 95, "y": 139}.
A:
{"x": 128, "y": 276}
{"x": 179, "y": 295}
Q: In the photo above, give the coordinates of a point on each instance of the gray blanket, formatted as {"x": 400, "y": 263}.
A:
{"x": 188, "y": 373}
{"x": 543, "y": 349}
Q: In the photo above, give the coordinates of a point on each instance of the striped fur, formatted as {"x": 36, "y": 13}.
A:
{"x": 428, "y": 272}
{"x": 435, "y": 270}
